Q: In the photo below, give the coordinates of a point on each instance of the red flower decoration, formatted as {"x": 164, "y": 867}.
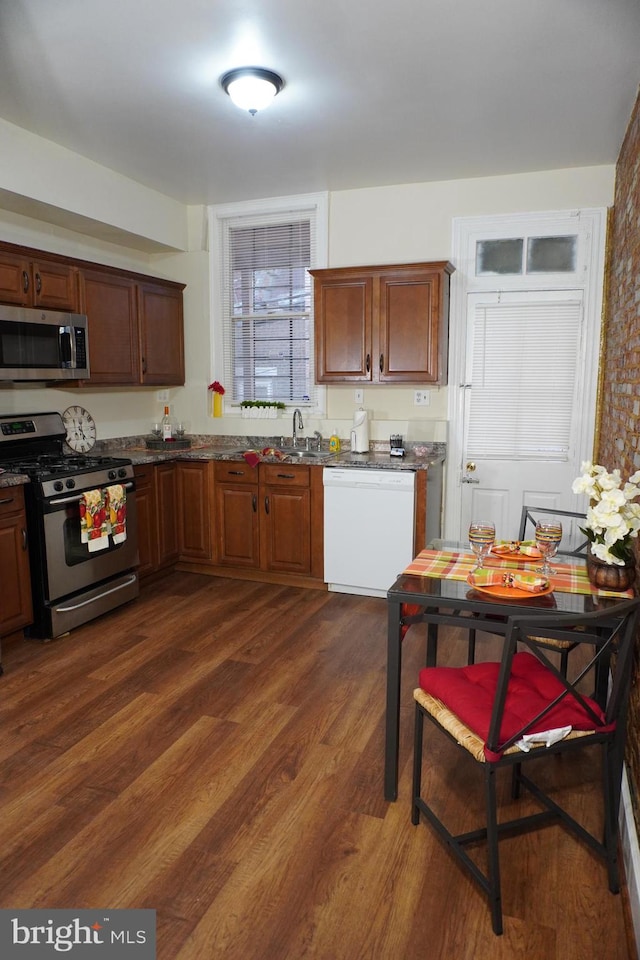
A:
{"x": 216, "y": 386}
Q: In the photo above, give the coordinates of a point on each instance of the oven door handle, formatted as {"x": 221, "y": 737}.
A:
{"x": 59, "y": 501}
{"x": 84, "y": 603}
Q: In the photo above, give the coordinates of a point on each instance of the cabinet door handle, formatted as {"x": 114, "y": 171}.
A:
{"x": 381, "y": 362}
{"x": 368, "y": 362}
{"x": 38, "y": 283}
{"x": 25, "y": 281}
{"x": 144, "y": 364}
{"x": 266, "y": 504}
{"x": 235, "y": 473}
{"x": 286, "y": 476}
{"x": 7, "y": 500}
{"x": 24, "y": 539}
{"x": 255, "y": 503}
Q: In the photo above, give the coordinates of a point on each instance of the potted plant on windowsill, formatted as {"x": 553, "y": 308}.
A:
{"x": 612, "y": 524}
{"x": 264, "y": 409}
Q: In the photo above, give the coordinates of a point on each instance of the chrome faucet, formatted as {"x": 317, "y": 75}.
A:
{"x": 300, "y": 425}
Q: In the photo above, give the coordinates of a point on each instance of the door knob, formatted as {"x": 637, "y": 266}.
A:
{"x": 470, "y": 466}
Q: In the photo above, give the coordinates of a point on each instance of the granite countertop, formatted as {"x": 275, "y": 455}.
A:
{"x": 421, "y": 457}
{"x": 418, "y": 456}
{"x": 12, "y": 480}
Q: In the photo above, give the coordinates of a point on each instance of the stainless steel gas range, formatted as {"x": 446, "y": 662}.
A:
{"x": 83, "y": 551}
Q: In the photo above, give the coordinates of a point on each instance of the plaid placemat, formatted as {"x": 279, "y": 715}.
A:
{"x": 452, "y": 565}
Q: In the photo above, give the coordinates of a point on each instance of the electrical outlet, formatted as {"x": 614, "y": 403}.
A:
{"x": 358, "y": 396}
{"x": 162, "y": 396}
{"x": 422, "y": 398}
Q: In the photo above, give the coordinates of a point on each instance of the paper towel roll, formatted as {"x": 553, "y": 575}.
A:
{"x": 360, "y": 432}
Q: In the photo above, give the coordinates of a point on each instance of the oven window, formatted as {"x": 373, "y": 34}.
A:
{"x": 75, "y": 551}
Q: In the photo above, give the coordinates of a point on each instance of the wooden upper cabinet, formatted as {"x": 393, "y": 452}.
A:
{"x": 42, "y": 283}
{"x": 136, "y": 333}
{"x": 135, "y": 322}
{"x": 385, "y": 324}
{"x": 161, "y": 334}
{"x": 109, "y": 301}
{"x": 343, "y": 318}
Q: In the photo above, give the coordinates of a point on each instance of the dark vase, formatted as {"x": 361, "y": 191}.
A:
{"x": 610, "y": 576}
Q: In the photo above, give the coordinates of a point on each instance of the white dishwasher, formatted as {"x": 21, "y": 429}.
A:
{"x": 368, "y": 528}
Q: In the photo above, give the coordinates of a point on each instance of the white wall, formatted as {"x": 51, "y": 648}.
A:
{"x": 131, "y": 227}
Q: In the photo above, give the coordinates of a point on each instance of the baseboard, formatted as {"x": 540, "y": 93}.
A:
{"x": 631, "y": 857}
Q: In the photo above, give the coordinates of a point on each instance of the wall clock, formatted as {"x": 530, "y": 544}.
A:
{"x": 81, "y": 429}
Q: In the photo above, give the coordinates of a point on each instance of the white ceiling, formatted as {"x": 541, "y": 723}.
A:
{"x": 376, "y": 92}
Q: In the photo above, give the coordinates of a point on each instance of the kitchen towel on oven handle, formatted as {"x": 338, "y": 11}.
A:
{"x": 117, "y": 504}
{"x": 94, "y": 525}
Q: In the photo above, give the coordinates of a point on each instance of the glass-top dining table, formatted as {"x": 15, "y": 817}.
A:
{"x": 433, "y": 589}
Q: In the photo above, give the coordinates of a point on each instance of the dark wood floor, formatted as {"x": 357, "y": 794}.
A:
{"x": 214, "y": 751}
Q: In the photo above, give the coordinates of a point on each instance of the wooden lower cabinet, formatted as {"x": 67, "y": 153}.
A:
{"x": 157, "y": 502}
{"x": 15, "y": 590}
{"x": 237, "y": 536}
{"x": 269, "y": 518}
{"x": 228, "y": 518}
{"x": 284, "y": 517}
{"x": 195, "y": 508}
{"x": 167, "y": 491}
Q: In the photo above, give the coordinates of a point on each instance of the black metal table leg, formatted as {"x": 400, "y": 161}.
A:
{"x": 392, "y": 723}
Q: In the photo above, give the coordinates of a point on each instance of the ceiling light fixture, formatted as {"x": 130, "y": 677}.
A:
{"x": 252, "y": 88}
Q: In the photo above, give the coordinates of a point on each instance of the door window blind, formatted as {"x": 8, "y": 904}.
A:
{"x": 267, "y": 305}
{"x": 523, "y": 383}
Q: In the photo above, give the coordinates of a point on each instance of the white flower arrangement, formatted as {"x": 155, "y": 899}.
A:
{"x": 613, "y": 519}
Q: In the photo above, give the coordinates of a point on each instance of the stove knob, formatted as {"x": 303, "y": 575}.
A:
{"x": 112, "y": 474}
{"x": 122, "y": 473}
{"x": 70, "y": 483}
{"x": 57, "y": 485}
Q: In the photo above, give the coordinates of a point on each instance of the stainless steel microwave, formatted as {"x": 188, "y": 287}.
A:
{"x": 42, "y": 344}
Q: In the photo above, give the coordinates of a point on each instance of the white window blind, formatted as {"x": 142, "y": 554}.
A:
{"x": 523, "y": 382}
{"x": 266, "y": 304}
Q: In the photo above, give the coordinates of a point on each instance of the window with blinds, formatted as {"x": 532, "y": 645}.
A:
{"x": 266, "y": 304}
{"x": 523, "y": 381}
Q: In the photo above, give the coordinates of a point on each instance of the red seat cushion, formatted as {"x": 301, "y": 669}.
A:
{"x": 469, "y": 692}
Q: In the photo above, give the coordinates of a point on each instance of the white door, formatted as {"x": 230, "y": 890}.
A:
{"x": 526, "y": 303}
{"x": 521, "y": 405}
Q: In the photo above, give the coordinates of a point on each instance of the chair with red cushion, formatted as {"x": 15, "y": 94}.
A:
{"x": 487, "y": 709}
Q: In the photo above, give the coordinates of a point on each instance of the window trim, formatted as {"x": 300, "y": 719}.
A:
{"x": 217, "y": 213}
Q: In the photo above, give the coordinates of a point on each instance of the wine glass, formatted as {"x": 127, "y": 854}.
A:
{"x": 482, "y": 535}
{"x": 548, "y": 537}
{"x": 156, "y": 430}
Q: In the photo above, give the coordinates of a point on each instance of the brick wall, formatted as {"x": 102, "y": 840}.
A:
{"x": 619, "y": 435}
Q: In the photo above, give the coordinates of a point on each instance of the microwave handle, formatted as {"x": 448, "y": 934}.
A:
{"x": 67, "y": 346}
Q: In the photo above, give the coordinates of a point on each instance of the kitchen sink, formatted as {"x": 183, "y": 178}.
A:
{"x": 311, "y": 454}
{"x": 297, "y": 452}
